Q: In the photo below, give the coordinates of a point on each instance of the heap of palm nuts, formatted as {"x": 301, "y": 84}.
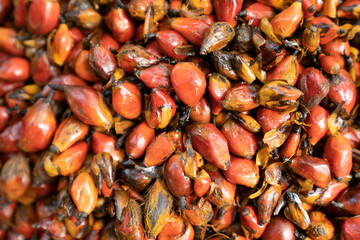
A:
{"x": 188, "y": 119}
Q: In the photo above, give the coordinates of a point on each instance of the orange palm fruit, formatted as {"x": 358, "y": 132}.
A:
{"x": 250, "y": 221}
{"x": 169, "y": 41}
{"x": 176, "y": 180}
{"x": 320, "y": 227}
{"x": 350, "y": 229}
{"x": 288, "y": 70}
{"x": 83, "y": 68}
{"x": 174, "y": 228}
{"x": 291, "y": 144}
{"x": 84, "y": 194}
{"x": 271, "y": 119}
{"x": 309, "y": 8}
{"x": 69, "y": 131}
{"x": 328, "y": 29}
{"x": 311, "y": 38}
{"x": 317, "y": 124}
{"x": 9, "y": 43}
{"x": 88, "y": 105}
{"x": 267, "y": 203}
{"x": 226, "y": 10}
{"x": 241, "y": 142}
{"x": 24, "y": 220}
{"x": 38, "y": 126}
{"x": 210, "y": 143}
{"x": 67, "y": 162}
{"x": 83, "y": 14}
{"x": 338, "y": 152}
{"x": 201, "y": 112}
{"x": 189, "y": 82}
{"x": 61, "y": 45}
{"x": 332, "y": 193}
{"x": 9, "y": 137}
{"x": 202, "y": 183}
{"x": 138, "y": 140}
{"x": 218, "y": 87}
{"x": 127, "y": 100}
{"x": 255, "y": 12}
{"x": 198, "y": 214}
{"x": 243, "y": 172}
{"x": 159, "y": 150}
{"x": 329, "y": 64}
{"x": 286, "y": 22}
{"x": 41, "y": 69}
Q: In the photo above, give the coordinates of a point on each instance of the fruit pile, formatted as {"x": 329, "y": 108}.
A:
{"x": 179, "y": 120}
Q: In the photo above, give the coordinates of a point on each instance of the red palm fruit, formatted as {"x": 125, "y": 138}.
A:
{"x": 138, "y": 9}
{"x": 24, "y": 218}
{"x": 83, "y": 14}
{"x": 84, "y": 194}
{"x": 217, "y": 36}
{"x": 61, "y": 45}
{"x": 68, "y": 132}
{"x": 43, "y": 16}
{"x": 9, "y": 42}
{"x": 226, "y": 10}
{"x": 104, "y": 143}
{"x": 201, "y": 112}
{"x": 5, "y": 8}
{"x": 38, "y": 126}
{"x": 19, "y": 13}
{"x": 79, "y": 231}
{"x": 202, "y": 183}
{"x": 271, "y": 119}
{"x": 102, "y": 61}
{"x": 138, "y": 140}
{"x": 314, "y": 86}
{"x": 168, "y": 41}
{"x": 223, "y": 195}
{"x": 6, "y": 87}
{"x": 349, "y": 200}
{"x": 347, "y": 9}
{"x": 210, "y": 143}
{"x": 352, "y": 135}
{"x": 287, "y": 70}
{"x": 9, "y": 138}
{"x": 329, "y": 64}
{"x": 67, "y": 162}
{"x": 289, "y": 148}
{"x": 267, "y": 203}
{"x": 76, "y": 34}
{"x": 241, "y": 142}
{"x": 338, "y": 152}
{"x": 73, "y": 55}
{"x": 241, "y": 98}
{"x": 4, "y": 117}
{"x": 120, "y": 24}
{"x": 154, "y": 48}
{"x": 127, "y": 100}
{"x": 15, "y": 69}
{"x": 192, "y": 29}
{"x": 159, "y": 150}
{"x": 108, "y": 42}
{"x": 317, "y": 170}
{"x": 83, "y": 68}
{"x": 218, "y": 87}
{"x": 328, "y": 29}
{"x": 332, "y": 193}
{"x": 350, "y": 229}
{"x": 189, "y": 82}
{"x": 255, "y": 12}
{"x": 160, "y": 108}
{"x": 157, "y": 76}
{"x": 317, "y": 124}
{"x": 173, "y": 229}
{"x": 338, "y": 49}
{"x": 243, "y": 172}
{"x": 66, "y": 79}
{"x": 41, "y": 69}
{"x": 309, "y": 8}
{"x": 88, "y": 106}
{"x": 198, "y": 214}
{"x": 342, "y": 88}
{"x": 225, "y": 220}
{"x": 279, "y": 228}
{"x": 132, "y": 57}
{"x": 15, "y": 177}
{"x": 286, "y": 22}
{"x": 7, "y": 213}
{"x": 131, "y": 227}
{"x": 250, "y": 221}
{"x": 178, "y": 183}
